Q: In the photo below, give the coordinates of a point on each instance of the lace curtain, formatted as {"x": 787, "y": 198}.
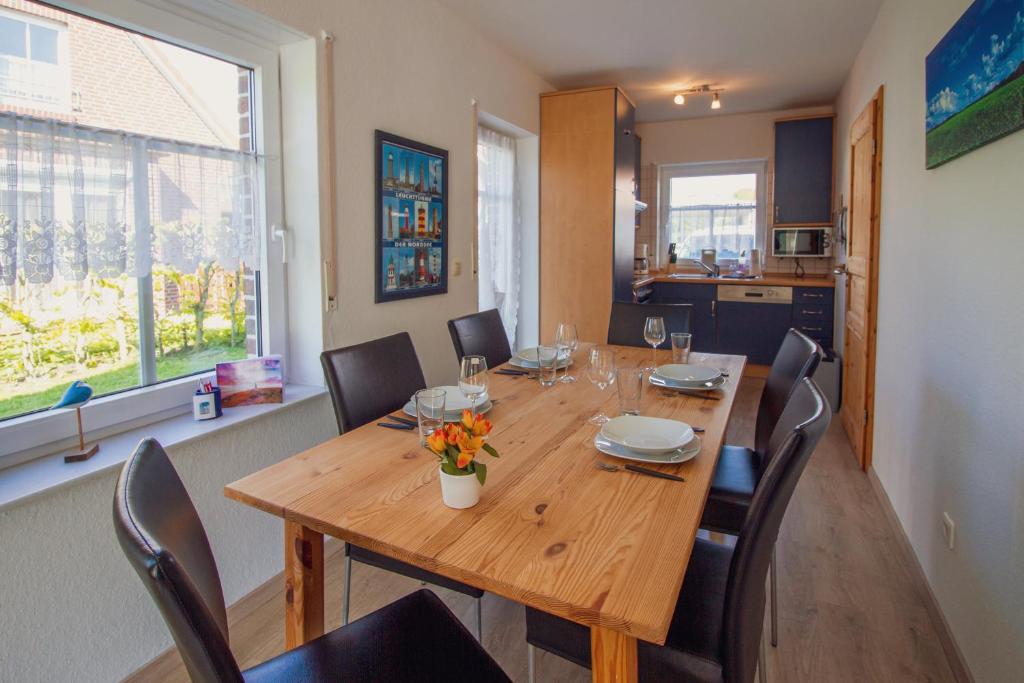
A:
{"x": 498, "y": 226}
{"x": 76, "y": 200}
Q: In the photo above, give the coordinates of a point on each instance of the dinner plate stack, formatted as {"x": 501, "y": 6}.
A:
{"x": 454, "y": 403}
{"x": 647, "y": 439}
{"x": 527, "y": 359}
{"x": 688, "y": 377}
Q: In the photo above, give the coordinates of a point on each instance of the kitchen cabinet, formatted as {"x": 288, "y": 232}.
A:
{"x": 813, "y": 313}
{"x": 587, "y": 219}
{"x": 702, "y": 321}
{"x": 804, "y": 171}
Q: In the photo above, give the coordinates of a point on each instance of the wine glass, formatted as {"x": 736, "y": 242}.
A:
{"x": 601, "y": 371}
{"x": 473, "y": 378}
{"x": 566, "y": 338}
{"x": 654, "y": 334}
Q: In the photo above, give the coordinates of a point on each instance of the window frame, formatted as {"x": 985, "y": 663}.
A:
{"x": 667, "y": 172}
{"x": 33, "y": 435}
{"x": 63, "y": 64}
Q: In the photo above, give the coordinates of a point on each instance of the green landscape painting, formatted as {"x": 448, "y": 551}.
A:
{"x": 974, "y": 81}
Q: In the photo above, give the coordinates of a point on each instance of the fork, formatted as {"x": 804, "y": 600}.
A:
{"x": 639, "y": 470}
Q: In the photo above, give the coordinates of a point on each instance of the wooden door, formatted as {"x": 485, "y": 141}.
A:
{"x": 862, "y": 279}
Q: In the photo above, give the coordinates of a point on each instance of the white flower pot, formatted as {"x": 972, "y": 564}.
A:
{"x": 459, "y": 492}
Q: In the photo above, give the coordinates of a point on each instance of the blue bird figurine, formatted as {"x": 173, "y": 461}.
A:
{"x": 76, "y": 396}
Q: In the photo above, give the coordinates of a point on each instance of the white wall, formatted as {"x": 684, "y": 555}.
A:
{"x": 949, "y": 417}
{"x": 409, "y": 67}
{"x": 70, "y": 607}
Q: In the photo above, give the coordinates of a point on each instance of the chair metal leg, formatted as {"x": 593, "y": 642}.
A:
{"x": 348, "y": 590}
{"x": 531, "y": 663}
{"x": 479, "y": 620}
{"x": 762, "y": 669}
{"x": 775, "y": 600}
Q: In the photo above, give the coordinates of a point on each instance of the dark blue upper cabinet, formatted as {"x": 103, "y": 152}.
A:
{"x": 803, "y": 171}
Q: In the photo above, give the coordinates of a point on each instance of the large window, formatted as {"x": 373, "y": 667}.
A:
{"x": 498, "y": 226}
{"x": 716, "y": 206}
{"x": 33, "y": 61}
{"x": 129, "y": 255}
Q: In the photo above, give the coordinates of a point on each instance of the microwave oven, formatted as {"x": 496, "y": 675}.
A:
{"x": 802, "y": 242}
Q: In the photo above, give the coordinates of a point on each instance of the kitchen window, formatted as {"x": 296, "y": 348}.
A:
{"x": 719, "y": 206}
{"x": 33, "y": 61}
{"x": 133, "y": 252}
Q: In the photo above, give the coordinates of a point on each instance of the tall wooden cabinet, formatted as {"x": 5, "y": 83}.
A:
{"x": 587, "y": 217}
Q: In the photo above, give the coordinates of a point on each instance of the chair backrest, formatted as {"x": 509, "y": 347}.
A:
{"x": 372, "y": 379}
{"x": 804, "y": 420}
{"x": 798, "y": 357}
{"x": 160, "y": 533}
{"x": 480, "y": 334}
{"x": 626, "y": 326}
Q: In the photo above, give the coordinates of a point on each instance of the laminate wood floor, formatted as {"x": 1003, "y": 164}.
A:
{"x": 851, "y": 608}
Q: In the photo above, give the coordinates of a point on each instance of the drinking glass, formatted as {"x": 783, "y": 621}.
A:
{"x": 631, "y": 389}
{"x": 473, "y": 378}
{"x": 547, "y": 362}
{"x": 429, "y": 412}
{"x": 566, "y": 338}
{"x": 654, "y": 334}
{"x": 681, "y": 347}
{"x": 601, "y": 371}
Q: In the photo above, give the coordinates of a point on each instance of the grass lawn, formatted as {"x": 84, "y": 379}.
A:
{"x": 105, "y": 381}
{"x": 996, "y": 114}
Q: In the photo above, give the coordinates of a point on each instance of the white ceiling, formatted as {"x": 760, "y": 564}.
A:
{"x": 767, "y": 54}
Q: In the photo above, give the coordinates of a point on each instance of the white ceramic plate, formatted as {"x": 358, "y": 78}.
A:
{"x": 658, "y": 381}
{"x": 647, "y": 435}
{"x": 449, "y": 415}
{"x": 455, "y": 400}
{"x": 687, "y": 452}
{"x": 518, "y": 362}
{"x": 687, "y": 374}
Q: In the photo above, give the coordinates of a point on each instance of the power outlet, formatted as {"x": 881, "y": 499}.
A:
{"x": 948, "y": 530}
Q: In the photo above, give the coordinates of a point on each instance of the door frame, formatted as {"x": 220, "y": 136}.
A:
{"x": 877, "y": 100}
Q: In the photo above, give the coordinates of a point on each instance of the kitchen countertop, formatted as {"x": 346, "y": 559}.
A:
{"x": 769, "y": 279}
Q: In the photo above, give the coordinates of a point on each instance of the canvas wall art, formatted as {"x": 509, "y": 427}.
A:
{"x": 251, "y": 381}
{"x": 412, "y": 219}
{"x": 974, "y": 81}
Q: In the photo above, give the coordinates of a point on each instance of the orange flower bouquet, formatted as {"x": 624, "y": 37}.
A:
{"x": 457, "y": 446}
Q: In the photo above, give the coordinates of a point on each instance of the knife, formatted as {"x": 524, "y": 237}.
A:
{"x": 392, "y": 425}
{"x": 653, "y": 473}
{"x": 404, "y": 420}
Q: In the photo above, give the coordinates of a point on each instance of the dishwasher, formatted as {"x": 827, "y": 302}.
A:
{"x": 752, "y": 320}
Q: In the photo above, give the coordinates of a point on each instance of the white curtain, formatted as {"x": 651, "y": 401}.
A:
{"x": 77, "y": 200}
{"x": 498, "y": 226}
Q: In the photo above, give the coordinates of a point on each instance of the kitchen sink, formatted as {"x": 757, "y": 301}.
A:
{"x": 689, "y": 276}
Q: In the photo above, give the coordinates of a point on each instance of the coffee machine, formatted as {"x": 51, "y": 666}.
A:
{"x": 641, "y": 260}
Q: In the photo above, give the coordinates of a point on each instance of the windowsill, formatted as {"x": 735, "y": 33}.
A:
{"x": 42, "y": 475}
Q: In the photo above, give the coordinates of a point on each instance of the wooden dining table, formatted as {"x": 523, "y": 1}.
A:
{"x": 552, "y": 530}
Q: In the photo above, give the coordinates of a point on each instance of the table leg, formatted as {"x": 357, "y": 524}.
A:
{"x": 303, "y": 584}
{"x": 612, "y": 656}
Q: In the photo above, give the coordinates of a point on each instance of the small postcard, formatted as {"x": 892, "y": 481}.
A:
{"x": 251, "y": 381}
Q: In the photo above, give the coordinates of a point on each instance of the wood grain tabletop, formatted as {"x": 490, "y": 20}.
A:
{"x": 551, "y": 530}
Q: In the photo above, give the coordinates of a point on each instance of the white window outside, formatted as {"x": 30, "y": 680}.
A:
{"x": 33, "y": 61}
{"x": 719, "y": 206}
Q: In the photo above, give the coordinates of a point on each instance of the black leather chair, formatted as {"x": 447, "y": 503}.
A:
{"x": 716, "y": 631}
{"x": 366, "y": 382}
{"x": 626, "y": 326}
{"x": 480, "y": 334}
{"x": 414, "y": 639}
{"x": 740, "y": 468}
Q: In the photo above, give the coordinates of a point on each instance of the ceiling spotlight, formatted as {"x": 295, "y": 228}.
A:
{"x": 679, "y": 98}
{"x": 715, "y": 102}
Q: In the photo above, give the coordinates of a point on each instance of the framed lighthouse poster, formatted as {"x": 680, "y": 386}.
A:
{"x": 412, "y": 219}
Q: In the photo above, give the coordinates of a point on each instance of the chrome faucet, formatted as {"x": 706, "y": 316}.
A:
{"x": 712, "y": 271}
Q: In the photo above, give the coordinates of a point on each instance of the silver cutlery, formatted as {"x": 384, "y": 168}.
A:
{"x": 607, "y": 467}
